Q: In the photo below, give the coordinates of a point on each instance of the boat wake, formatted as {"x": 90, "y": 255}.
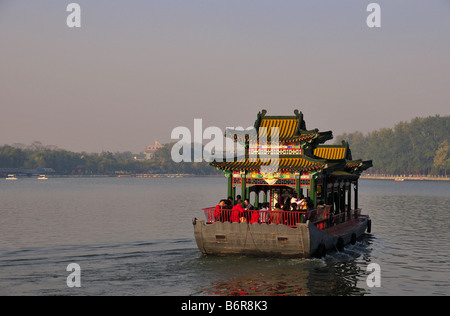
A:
{"x": 351, "y": 252}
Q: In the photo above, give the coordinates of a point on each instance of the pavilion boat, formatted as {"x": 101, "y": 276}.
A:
{"x": 325, "y": 174}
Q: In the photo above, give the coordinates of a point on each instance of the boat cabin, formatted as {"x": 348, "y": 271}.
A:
{"x": 305, "y": 167}
{"x": 283, "y": 159}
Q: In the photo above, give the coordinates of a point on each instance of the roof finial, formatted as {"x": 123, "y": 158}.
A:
{"x": 259, "y": 118}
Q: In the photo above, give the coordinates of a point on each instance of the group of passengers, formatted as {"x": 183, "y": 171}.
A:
{"x": 244, "y": 211}
{"x": 294, "y": 203}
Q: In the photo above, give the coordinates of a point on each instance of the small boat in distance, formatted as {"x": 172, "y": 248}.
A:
{"x": 42, "y": 177}
{"x": 399, "y": 179}
{"x": 11, "y": 177}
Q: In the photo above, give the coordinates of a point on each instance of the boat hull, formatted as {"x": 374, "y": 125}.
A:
{"x": 273, "y": 240}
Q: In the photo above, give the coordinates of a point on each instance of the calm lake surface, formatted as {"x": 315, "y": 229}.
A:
{"x": 134, "y": 236}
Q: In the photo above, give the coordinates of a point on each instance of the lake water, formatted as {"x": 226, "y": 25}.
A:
{"x": 134, "y": 236}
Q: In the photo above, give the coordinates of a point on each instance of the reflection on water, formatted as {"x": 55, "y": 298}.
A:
{"x": 135, "y": 237}
{"x": 339, "y": 273}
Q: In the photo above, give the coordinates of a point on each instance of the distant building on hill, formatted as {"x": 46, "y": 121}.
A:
{"x": 149, "y": 152}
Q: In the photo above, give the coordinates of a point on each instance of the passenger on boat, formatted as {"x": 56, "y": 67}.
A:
{"x": 264, "y": 215}
{"x": 281, "y": 202}
{"x": 294, "y": 199}
{"x": 238, "y": 200}
{"x": 236, "y": 213}
{"x": 254, "y": 217}
{"x": 227, "y": 210}
{"x": 248, "y": 210}
{"x": 218, "y": 216}
{"x": 286, "y": 206}
{"x": 247, "y": 205}
{"x": 302, "y": 204}
{"x": 228, "y": 204}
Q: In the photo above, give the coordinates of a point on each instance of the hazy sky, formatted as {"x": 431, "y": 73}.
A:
{"x": 135, "y": 70}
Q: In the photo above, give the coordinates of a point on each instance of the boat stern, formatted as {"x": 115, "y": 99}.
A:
{"x": 225, "y": 238}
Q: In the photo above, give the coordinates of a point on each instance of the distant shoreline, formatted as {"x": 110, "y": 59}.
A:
{"x": 366, "y": 177}
{"x": 409, "y": 178}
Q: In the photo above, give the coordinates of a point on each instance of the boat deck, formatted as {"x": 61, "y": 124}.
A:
{"x": 346, "y": 227}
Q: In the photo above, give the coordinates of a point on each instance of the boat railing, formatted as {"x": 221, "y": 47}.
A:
{"x": 289, "y": 218}
{"x": 327, "y": 220}
{"x": 319, "y": 217}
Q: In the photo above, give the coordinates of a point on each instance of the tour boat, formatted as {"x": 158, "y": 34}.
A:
{"x": 42, "y": 177}
{"x": 326, "y": 175}
{"x": 11, "y": 177}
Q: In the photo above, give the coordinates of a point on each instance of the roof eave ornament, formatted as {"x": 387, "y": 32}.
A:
{"x": 259, "y": 118}
{"x": 301, "y": 122}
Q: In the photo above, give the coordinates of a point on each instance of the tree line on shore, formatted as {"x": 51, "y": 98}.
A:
{"x": 66, "y": 162}
{"x": 421, "y": 146}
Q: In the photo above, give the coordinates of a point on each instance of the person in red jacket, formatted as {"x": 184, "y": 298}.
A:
{"x": 254, "y": 217}
{"x": 236, "y": 213}
{"x": 218, "y": 216}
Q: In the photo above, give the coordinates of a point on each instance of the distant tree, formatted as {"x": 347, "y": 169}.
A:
{"x": 11, "y": 157}
{"x": 442, "y": 158}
